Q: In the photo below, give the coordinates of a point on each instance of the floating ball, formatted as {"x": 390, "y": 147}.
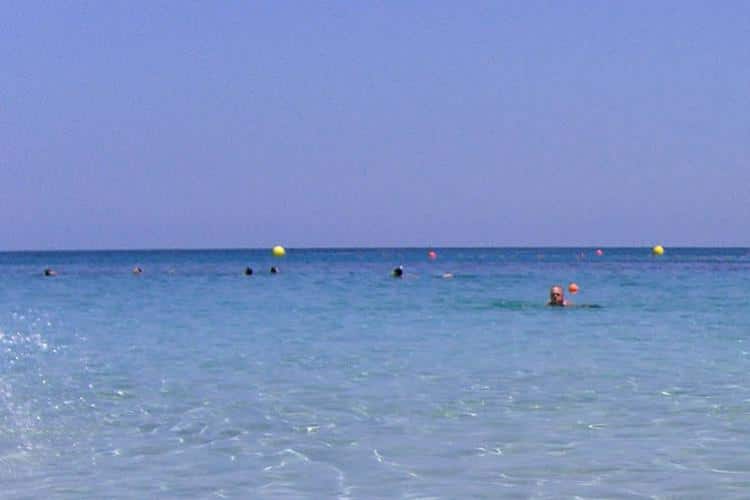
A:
{"x": 658, "y": 250}
{"x": 599, "y": 252}
{"x": 432, "y": 255}
{"x": 573, "y": 288}
{"x": 278, "y": 251}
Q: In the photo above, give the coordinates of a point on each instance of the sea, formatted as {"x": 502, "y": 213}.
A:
{"x": 333, "y": 379}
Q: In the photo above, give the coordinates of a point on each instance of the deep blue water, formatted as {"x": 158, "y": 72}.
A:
{"x": 332, "y": 379}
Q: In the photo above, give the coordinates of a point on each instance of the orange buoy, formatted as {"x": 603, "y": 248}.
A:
{"x": 573, "y": 288}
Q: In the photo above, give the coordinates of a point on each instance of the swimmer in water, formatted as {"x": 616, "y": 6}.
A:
{"x": 50, "y": 272}
{"x": 557, "y": 297}
{"x": 137, "y": 270}
{"x": 248, "y": 271}
{"x": 274, "y": 270}
{"x": 398, "y": 272}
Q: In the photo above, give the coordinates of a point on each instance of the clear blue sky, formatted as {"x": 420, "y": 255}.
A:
{"x": 246, "y": 124}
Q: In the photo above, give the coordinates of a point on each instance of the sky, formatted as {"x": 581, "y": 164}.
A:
{"x": 180, "y": 124}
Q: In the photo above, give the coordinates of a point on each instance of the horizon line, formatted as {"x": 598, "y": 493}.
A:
{"x": 446, "y": 247}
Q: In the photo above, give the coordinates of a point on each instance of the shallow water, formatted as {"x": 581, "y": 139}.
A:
{"x": 332, "y": 379}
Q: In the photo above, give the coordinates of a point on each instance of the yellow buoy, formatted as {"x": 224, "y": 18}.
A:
{"x": 658, "y": 250}
{"x": 278, "y": 251}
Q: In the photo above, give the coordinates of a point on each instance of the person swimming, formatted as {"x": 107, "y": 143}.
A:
{"x": 557, "y": 297}
{"x": 137, "y": 270}
{"x": 248, "y": 271}
{"x": 50, "y": 272}
{"x": 398, "y": 272}
{"x": 274, "y": 270}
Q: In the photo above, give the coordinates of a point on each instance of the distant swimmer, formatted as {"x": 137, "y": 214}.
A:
{"x": 274, "y": 270}
{"x": 398, "y": 272}
{"x": 137, "y": 270}
{"x": 248, "y": 271}
{"x": 557, "y": 297}
{"x": 50, "y": 272}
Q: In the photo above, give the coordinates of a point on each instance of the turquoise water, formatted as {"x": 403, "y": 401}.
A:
{"x": 332, "y": 379}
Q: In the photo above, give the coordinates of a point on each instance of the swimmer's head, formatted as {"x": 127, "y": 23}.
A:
{"x": 50, "y": 272}
{"x": 556, "y": 296}
{"x": 398, "y": 272}
{"x": 274, "y": 270}
{"x": 137, "y": 270}
{"x": 248, "y": 271}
